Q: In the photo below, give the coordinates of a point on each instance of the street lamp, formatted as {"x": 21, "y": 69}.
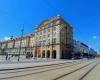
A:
{"x": 22, "y": 31}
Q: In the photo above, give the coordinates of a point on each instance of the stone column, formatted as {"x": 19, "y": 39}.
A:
{"x": 58, "y": 51}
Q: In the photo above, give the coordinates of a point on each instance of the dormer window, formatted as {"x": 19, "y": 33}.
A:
{"x": 46, "y": 26}
{"x": 42, "y": 28}
{"x": 54, "y": 25}
{"x": 51, "y": 24}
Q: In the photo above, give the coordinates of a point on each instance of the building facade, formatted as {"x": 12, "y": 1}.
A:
{"x": 80, "y": 47}
{"x": 82, "y": 50}
{"x": 53, "y": 38}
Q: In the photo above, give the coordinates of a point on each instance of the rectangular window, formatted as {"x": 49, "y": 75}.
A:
{"x": 43, "y": 36}
{"x": 48, "y": 46}
{"x": 48, "y": 35}
{"x": 49, "y": 30}
{"x": 54, "y": 27}
{"x": 40, "y": 37}
{"x": 39, "y": 43}
{"x": 44, "y": 31}
{"x": 54, "y": 34}
{"x": 44, "y": 42}
{"x": 36, "y": 38}
{"x": 40, "y": 32}
{"x": 48, "y": 41}
{"x": 54, "y": 41}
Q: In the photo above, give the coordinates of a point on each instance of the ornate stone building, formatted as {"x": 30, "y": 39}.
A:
{"x": 53, "y": 38}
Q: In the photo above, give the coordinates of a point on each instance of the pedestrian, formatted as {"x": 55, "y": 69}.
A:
{"x": 9, "y": 58}
{"x": 6, "y": 56}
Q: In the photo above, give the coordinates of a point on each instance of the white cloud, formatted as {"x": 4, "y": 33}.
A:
{"x": 94, "y": 37}
{"x": 6, "y": 38}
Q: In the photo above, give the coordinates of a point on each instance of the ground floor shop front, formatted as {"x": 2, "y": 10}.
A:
{"x": 52, "y": 52}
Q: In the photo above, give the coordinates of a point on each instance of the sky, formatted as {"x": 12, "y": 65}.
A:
{"x": 83, "y": 15}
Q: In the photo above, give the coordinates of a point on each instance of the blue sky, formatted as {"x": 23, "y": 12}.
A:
{"x": 83, "y": 15}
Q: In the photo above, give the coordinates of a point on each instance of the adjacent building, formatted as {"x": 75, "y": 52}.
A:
{"x": 82, "y": 50}
{"x": 92, "y": 52}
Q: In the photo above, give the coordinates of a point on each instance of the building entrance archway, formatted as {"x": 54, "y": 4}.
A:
{"x": 48, "y": 54}
{"x": 43, "y": 54}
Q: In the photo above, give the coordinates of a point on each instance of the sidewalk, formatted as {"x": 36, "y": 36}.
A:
{"x": 31, "y": 63}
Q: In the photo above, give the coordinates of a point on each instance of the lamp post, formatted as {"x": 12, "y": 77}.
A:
{"x": 52, "y": 41}
{"x": 22, "y": 31}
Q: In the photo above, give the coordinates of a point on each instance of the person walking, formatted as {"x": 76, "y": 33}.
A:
{"x": 6, "y": 56}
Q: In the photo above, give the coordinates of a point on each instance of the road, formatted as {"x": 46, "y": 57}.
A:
{"x": 77, "y": 70}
